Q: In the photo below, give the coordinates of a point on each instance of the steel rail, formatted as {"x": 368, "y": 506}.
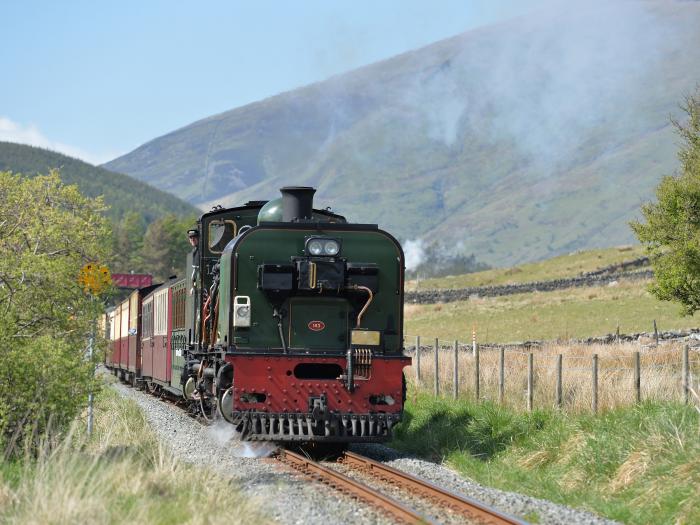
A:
{"x": 466, "y": 506}
{"x": 351, "y": 487}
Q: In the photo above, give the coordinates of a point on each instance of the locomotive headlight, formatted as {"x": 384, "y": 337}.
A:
{"x": 331, "y": 248}
{"x": 315, "y": 247}
{"x": 322, "y": 246}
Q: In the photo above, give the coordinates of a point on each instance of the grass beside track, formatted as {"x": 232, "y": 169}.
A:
{"x": 570, "y": 265}
{"x": 123, "y": 474}
{"x": 562, "y": 314}
{"x": 638, "y": 464}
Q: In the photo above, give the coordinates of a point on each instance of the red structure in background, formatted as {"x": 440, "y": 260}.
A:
{"x": 132, "y": 280}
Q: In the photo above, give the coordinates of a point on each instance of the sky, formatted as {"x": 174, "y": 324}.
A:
{"x": 96, "y": 79}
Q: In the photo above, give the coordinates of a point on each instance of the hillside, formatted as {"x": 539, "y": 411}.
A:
{"x": 518, "y": 141}
{"x": 121, "y": 192}
{"x": 566, "y": 266}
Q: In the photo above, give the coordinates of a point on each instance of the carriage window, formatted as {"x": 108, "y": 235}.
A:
{"x": 160, "y": 312}
{"x": 124, "y": 318}
{"x": 220, "y": 232}
{"x": 148, "y": 319}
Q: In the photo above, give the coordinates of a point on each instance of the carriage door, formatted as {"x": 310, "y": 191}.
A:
{"x": 160, "y": 334}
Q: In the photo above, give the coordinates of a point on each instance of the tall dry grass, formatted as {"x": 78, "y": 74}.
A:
{"x": 123, "y": 474}
{"x": 661, "y": 376}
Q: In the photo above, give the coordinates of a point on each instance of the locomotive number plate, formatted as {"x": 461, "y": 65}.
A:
{"x": 316, "y": 326}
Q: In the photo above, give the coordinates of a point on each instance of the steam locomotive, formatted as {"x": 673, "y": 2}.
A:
{"x": 288, "y": 324}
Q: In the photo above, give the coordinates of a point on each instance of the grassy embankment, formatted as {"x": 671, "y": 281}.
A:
{"x": 634, "y": 463}
{"x": 564, "y": 314}
{"x": 123, "y": 474}
{"x": 639, "y": 465}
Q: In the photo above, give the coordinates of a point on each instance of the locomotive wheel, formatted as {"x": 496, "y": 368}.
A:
{"x": 224, "y": 404}
{"x": 207, "y": 409}
{"x": 224, "y": 388}
{"x": 189, "y": 388}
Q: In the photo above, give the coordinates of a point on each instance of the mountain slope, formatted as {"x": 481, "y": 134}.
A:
{"x": 121, "y": 192}
{"x": 516, "y": 141}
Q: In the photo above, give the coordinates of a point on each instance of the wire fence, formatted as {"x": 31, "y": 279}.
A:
{"x": 568, "y": 376}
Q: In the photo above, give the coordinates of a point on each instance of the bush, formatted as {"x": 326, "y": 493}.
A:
{"x": 48, "y": 232}
{"x": 44, "y": 383}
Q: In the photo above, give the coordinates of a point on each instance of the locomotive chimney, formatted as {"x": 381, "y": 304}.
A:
{"x": 297, "y": 203}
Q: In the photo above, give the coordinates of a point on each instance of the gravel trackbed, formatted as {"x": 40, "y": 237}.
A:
{"x": 288, "y": 498}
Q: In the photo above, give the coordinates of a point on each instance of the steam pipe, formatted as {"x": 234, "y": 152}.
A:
{"x": 364, "y": 308}
{"x": 278, "y": 315}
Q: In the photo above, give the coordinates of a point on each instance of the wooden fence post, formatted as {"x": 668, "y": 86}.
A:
{"x": 418, "y": 360}
{"x": 501, "y": 374}
{"x": 530, "y": 380}
{"x": 437, "y": 374}
{"x": 455, "y": 374}
{"x": 637, "y": 378}
{"x": 656, "y": 333}
{"x": 594, "y": 373}
{"x": 686, "y": 370}
{"x": 477, "y": 393}
{"x": 560, "y": 359}
{"x": 473, "y": 340}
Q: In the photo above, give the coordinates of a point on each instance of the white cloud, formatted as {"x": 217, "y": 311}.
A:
{"x": 11, "y": 131}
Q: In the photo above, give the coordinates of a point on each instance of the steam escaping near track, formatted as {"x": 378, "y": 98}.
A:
{"x": 226, "y": 436}
{"x": 414, "y": 253}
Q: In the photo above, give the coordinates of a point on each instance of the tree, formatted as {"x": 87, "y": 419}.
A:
{"x": 48, "y": 232}
{"x": 127, "y": 240}
{"x": 165, "y": 246}
{"x": 439, "y": 259}
{"x": 671, "y": 231}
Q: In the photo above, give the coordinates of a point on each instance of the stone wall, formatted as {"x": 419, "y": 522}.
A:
{"x": 463, "y": 294}
{"x": 623, "y": 266}
{"x": 691, "y": 336}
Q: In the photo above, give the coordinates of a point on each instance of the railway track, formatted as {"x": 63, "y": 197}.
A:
{"x": 467, "y": 509}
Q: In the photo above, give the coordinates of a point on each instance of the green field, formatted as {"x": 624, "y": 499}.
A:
{"x": 638, "y": 465}
{"x": 562, "y": 314}
{"x": 565, "y": 314}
